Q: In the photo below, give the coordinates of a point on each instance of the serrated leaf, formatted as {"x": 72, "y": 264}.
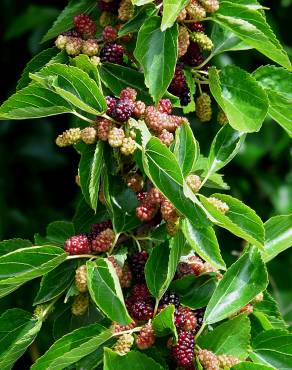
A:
{"x": 204, "y": 242}
{"x": 186, "y": 149}
{"x": 164, "y": 171}
{"x": 83, "y": 62}
{"x": 251, "y": 27}
{"x": 105, "y": 290}
{"x": 156, "y": 51}
{"x": 239, "y": 220}
{"x": 230, "y": 338}
{"x": 56, "y": 282}
{"x": 116, "y": 78}
{"x": 278, "y": 236}
{"x": 34, "y": 101}
{"x": 163, "y": 323}
{"x": 134, "y": 24}
{"x": 171, "y": 9}
{"x": 72, "y": 347}
{"x": 18, "y": 330}
{"x": 195, "y": 292}
{"x": 74, "y": 85}
{"x": 224, "y": 40}
{"x": 240, "y": 284}
{"x": 65, "y": 20}
{"x": 36, "y": 63}
{"x": 59, "y": 231}
{"x": 240, "y": 96}
{"x": 90, "y": 167}
{"x": 251, "y": 366}
{"x": 26, "y": 264}
{"x": 133, "y": 360}
{"x": 277, "y": 83}
{"x": 7, "y": 246}
{"x": 123, "y": 205}
{"x": 161, "y": 265}
{"x": 273, "y": 347}
{"x": 224, "y": 148}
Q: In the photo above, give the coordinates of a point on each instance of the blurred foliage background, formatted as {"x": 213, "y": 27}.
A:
{"x": 37, "y": 179}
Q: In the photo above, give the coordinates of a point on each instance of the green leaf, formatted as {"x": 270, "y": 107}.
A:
{"x": 105, "y": 290}
{"x": 230, "y": 338}
{"x": 164, "y": 171}
{"x": 191, "y": 106}
{"x": 156, "y": 51}
{"x": 224, "y": 148}
{"x": 123, "y": 205}
{"x": 18, "y": 331}
{"x": 59, "y": 231}
{"x": 171, "y": 9}
{"x": 277, "y": 83}
{"x": 273, "y": 347}
{"x": 251, "y": 366}
{"x": 74, "y": 85}
{"x": 7, "y": 246}
{"x": 72, "y": 347}
{"x": 163, "y": 323}
{"x": 26, "y": 264}
{"x": 204, "y": 242}
{"x": 251, "y": 27}
{"x": 90, "y": 167}
{"x": 134, "y": 24}
{"x": 195, "y": 292}
{"x": 224, "y": 40}
{"x": 240, "y": 96}
{"x": 141, "y": 2}
{"x": 278, "y": 231}
{"x": 116, "y": 78}
{"x": 56, "y": 282}
{"x": 34, "y": 101}
{"x": 186, "y": 148}
{"x": 65, "y": 20}
{"x": 36, "y": 64}
{"x": 240, "y": 284}
{"x": 83, "y": 62}
{"x": 133, "y": 360}
{"x": 240, "y": 220}
{"x": 161, "y": 265}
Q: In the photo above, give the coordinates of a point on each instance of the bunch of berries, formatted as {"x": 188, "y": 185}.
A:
{"x": 94, "y": 242}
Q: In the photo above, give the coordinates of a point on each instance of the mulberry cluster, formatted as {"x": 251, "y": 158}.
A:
{"x": 81, "y": 279}
{"x": 80, "y": 305}
{"x": 146, "y": 338}
{"x": 208, "y": 360}
{"x": 94, "y": 242}
{"x": 124, "y": 344}
{"x": 219, "y": 205}
{"x": 183, "y": 351}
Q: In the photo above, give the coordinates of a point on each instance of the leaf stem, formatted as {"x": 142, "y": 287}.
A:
{"x": 114, "y": 243}
{"x": 83, "y": 117}
{"x": 81, "y": 256}
{"x": 156, "y": 307}
{"x": 204, "y": 62}
{"x": 200, "y": 331}
{"x": 127, "y": 331}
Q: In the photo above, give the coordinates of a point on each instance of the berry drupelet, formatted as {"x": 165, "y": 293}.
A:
{"x": 78, "y": 244}
{"x": 137, "y": 263}
{"x": 112, "y": 53}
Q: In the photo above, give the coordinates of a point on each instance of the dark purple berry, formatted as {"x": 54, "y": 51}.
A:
{"x": 139, "y": 310}
{"x": 137, "y": 263}
{"x": 194, "y": 55}
{"x": 170, "y": 298}
{"x": 185, "y": 98}
{"x": 123, "y": 110}
{"x": 178, "y": 83}
{"x": 112, "y": 53}
{"x": 111, "y": 102}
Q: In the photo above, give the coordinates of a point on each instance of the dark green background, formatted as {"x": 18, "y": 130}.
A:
{"x": 37, "y": 179}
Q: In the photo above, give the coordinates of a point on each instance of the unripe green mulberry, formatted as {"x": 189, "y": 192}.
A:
{"x": 194, "y": 182}
{"x": 128, "y": 146}
{"x": 116, "y": 137}
{"x": 217, "y": 203}
{"x": 95, "y": 61}
{"x": 208, "y": 360}
{"x": 106, "y": 19}
{"x": 196, "y": 11}
{"x": 124, "y": 344}
{"x": 88, "y": 135}
{"x": 172, "y": 228}
{"x": 202, "y": 40}
{"x": 61, "y": 42}
{"x": 69, "y": 137}
{"x": 227, "y": 361}
{"x": 80, "y": 305}
{"x": 81, "y": 279}
{"x": 183, "y": 41}
{"x": 74, "y": 46}
{"x": 210, "y": 6}
{"x": 222, "y": 118}
{"x": 204, "y": 108}
{"x": 90, "y": 47}
{"x": 126, "y": 10}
